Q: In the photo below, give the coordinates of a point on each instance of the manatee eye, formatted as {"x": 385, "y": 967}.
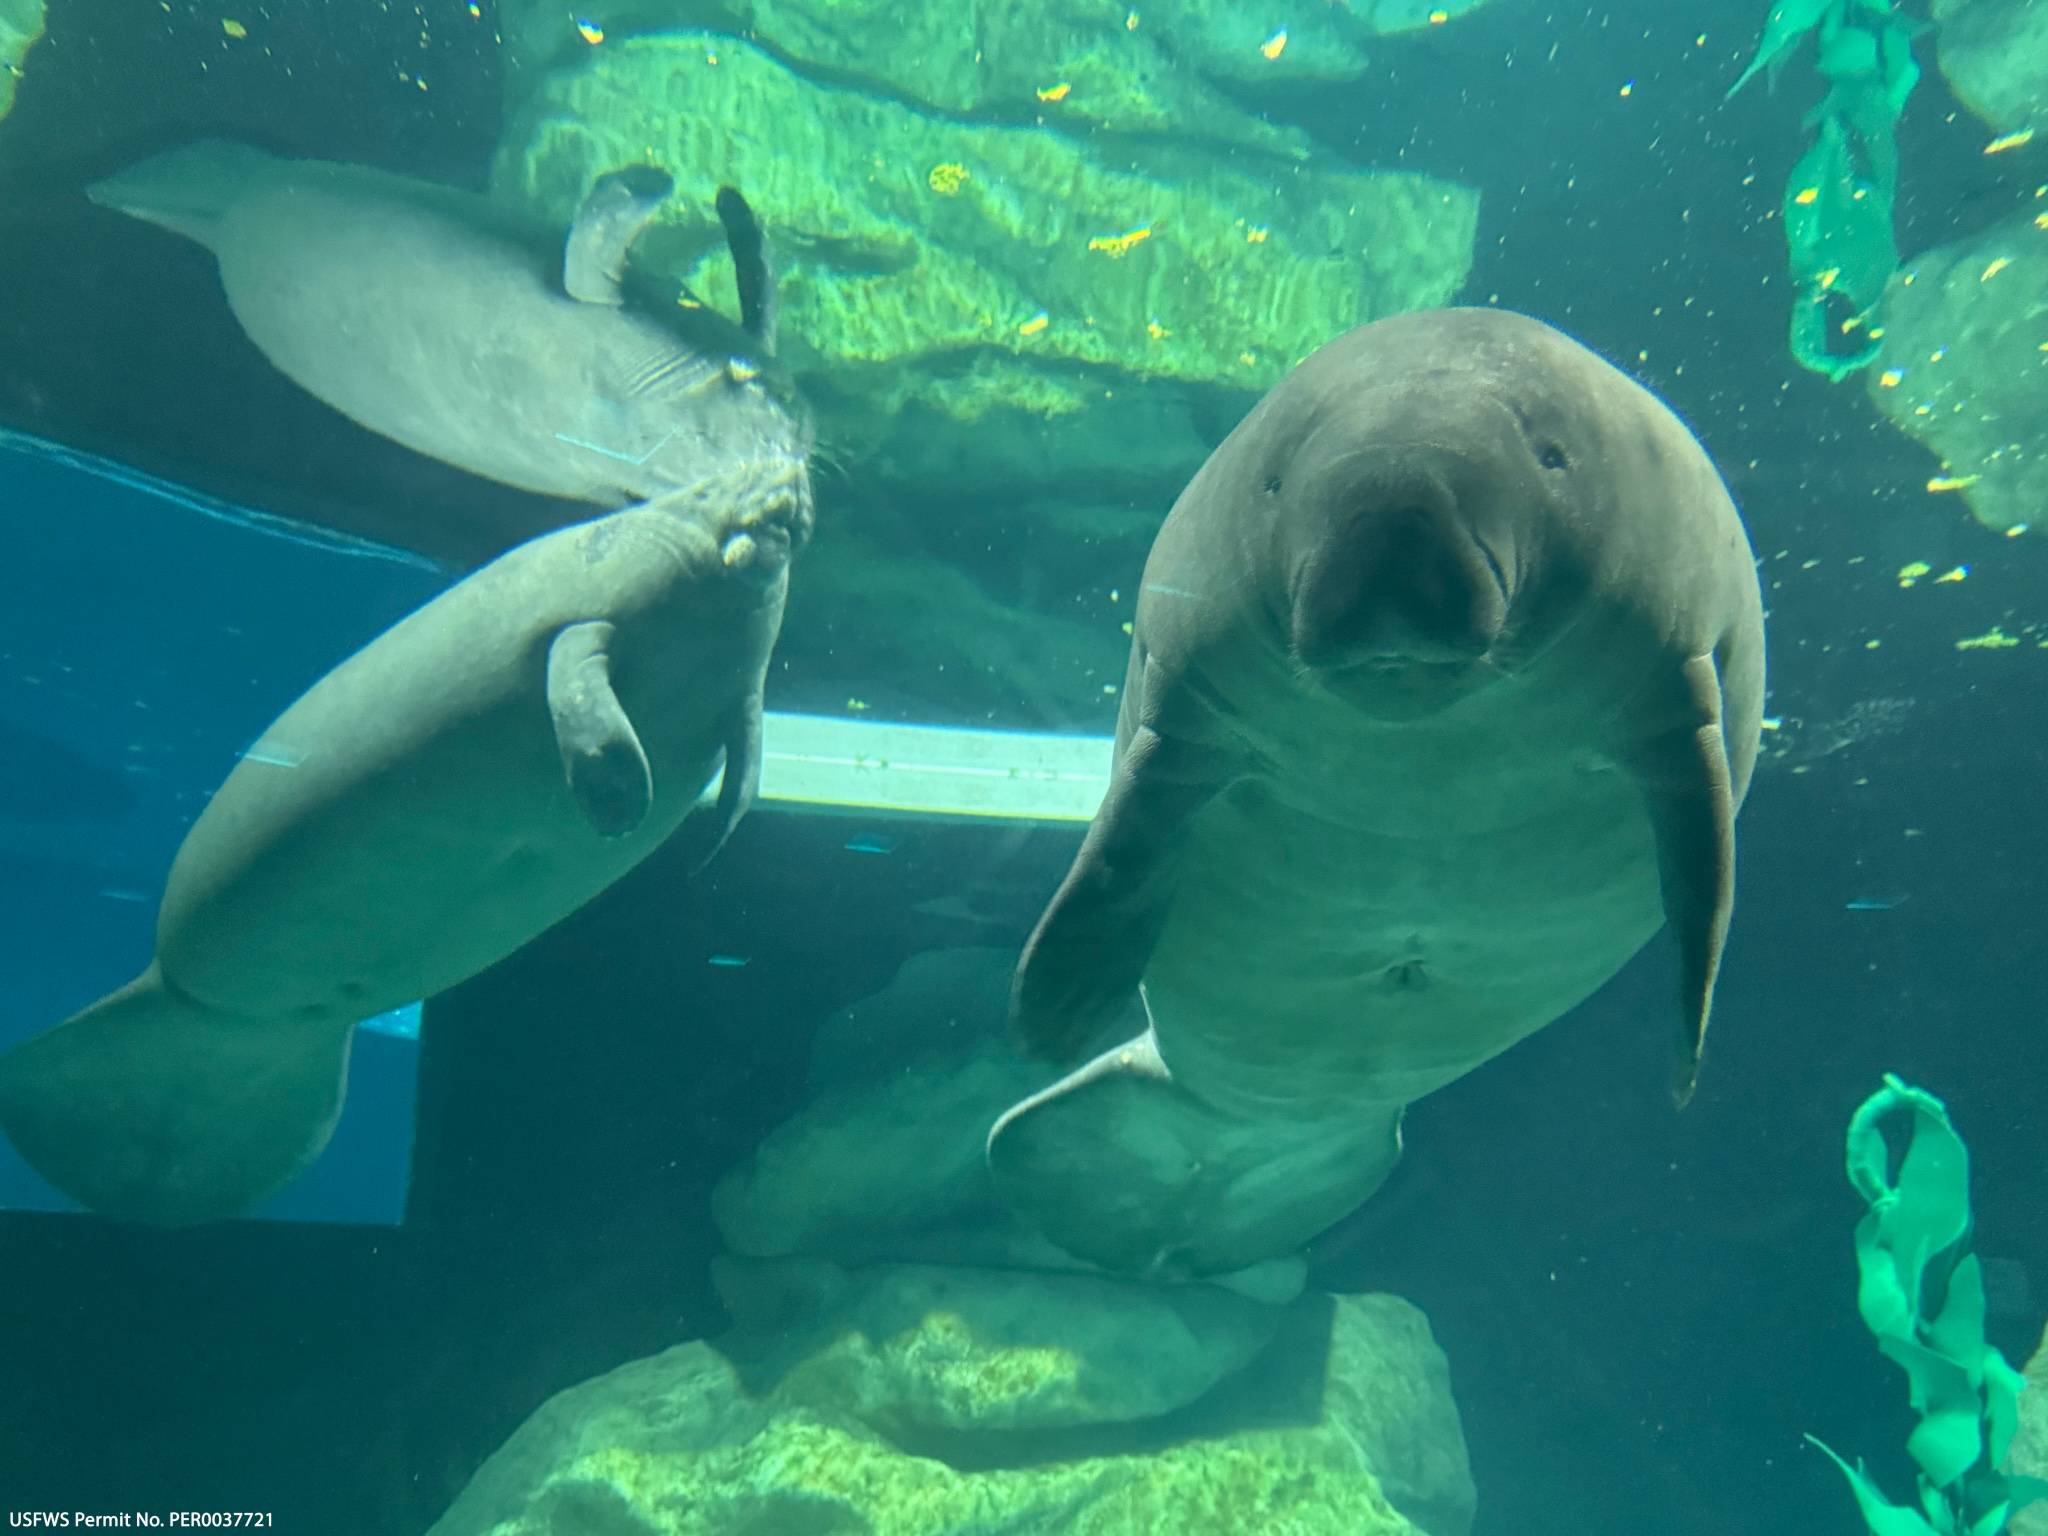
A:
{"x": 1553, "y": 457}
{"x": 1273, "y": 486}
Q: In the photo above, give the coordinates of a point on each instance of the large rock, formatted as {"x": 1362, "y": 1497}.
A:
{"x": 1150, "y": 69}
{"x": 917, "y": 1351}
{"x": 1995, "y": 56}
{"x": 2029, "y": 1453}
{"x": 1963, "y": 368}
{"x": 21, "y": 23}
{"x": 989, "y": 277}
{"x": 1344, "y": 1428}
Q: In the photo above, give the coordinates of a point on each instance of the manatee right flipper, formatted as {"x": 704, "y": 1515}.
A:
{"x": 152, "y": 1108}
{"x": 1082, "y": 963}
{"x": 752, "y": 269}
{"x": 739, "y": 784}
{"x": 615, "y": 210}
{"x": 1121, "y": 1166}
{"x": 602, "y": 756}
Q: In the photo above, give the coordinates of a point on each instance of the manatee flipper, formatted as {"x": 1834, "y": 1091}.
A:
{"x": 1684, "y": 777}
{"x": 738, "y": 786}
{"x": 615, "y": 210}
{"x": 1121, "y": 1166}
{"x": 751, "y": 267}
{"x": 1083, "y": 961}
{"x": 152, "y": 1108}
{"x": 605, "y": 763}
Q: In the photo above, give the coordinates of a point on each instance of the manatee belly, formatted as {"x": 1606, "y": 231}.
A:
{"x": 447, "y": 339}
{"x": 1315, "y": 964}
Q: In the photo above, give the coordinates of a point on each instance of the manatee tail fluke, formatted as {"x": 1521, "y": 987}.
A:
{"x": 151, "y": 1108}
{"x": 186, "y": 190}
{"x": 1121, "y": 1166}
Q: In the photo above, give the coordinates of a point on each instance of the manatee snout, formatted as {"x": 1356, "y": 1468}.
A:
{"x": 1398, "y": 575}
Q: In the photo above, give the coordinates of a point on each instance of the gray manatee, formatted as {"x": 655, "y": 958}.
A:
{"x": 443, "y": 320}
{"x": 1445, "y": 687}
{"x": 469, "y": 778}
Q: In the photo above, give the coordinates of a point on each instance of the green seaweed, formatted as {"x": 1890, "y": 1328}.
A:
{"x": 1921, "y": 1293}
{"x": 1840, "y": 196}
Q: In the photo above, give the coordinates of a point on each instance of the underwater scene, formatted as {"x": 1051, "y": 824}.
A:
{"x": 893, "y": 768}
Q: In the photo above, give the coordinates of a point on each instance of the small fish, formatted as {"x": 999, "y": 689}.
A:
{"x": 1958, "y": 574}
{"x": 589, "y": 31}
{"x": 729, "y": 962}
{"x": 1997, "y": 265}
{"x": 233, "y": 28}
{"x": 1056, "y": 92}
{"x": 1806, "y": 196}
{"x": 1942, "y": 483}
{"x": 1874, "y": 904}
{"x": 124, "y": 893}
{"x": 1891, "y": 377}
{"x": 1275, "y": 45}
{"x": 1999, "y": 146}
{"x": 1035, "y": 324}
{"x": 870, "y": 842}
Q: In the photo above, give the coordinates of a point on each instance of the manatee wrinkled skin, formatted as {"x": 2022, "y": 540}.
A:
{"x": 1445, "y": 687}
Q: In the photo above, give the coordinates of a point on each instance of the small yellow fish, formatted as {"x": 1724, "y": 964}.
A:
{"x": 1993, "y": 639}
{"x": 1628, "y": 88}
{"x": 233, "y": 28}
{"x": 858, "y": 706}
{"x": 1955, "y": 575}
{"x": 1890, "y": 378}
{"x": 1156, "y": 331}
{"x": 1131, "y": 22}
{"x": 1997, "y": 265}
{"x": 1256, "y": 235}
{"x": 1827, "y": 278}
{"x": 475, "y": 11}
{"x": 1910, "y": 573}
{"x": 1438, "y": 18}
{"x": 1275, "y": 45}
{"x": 1035, "y": 324}
{"x": 946, "y": 178}
{"x": 1120, "y": 245}
{"x": 2041, "y": 221}
{"x": 589, "y": 31}
{"x": 1806, "y": 195}
{"x": 1999, "y": 146}
{"x": 1054, "y": 92}
{"x": 1942, "y": 483}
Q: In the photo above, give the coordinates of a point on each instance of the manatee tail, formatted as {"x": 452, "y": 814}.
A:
{"x": 1121, "y": 1166}
{"x": 151, "y": 1108}
{"x": 185, "y": 190}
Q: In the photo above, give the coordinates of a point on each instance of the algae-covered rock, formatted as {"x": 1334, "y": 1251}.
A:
{"x": 2028, "y": 1456}
{"x": 981, "y": 271}
{"x": 677, "y": 1445}
{"x": 21, "y": 23}
{"x": 921, "y": 1349}
{"x": 1995, "y": 56}
{"x": 1964, "y": 368}
{"x": 1076, "y": 64}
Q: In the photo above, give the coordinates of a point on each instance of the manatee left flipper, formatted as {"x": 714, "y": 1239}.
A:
{"x": 1082, "y": 963}
{"x": 1682, "y": 770}
{"x": 601, "y": 755}
{"x": 1120, "y": 1165}
{"x": 615, "y": 210}
{"x": 737, "y": 789}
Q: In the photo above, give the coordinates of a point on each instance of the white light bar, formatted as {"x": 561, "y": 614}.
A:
{"x": 924, "y": 770}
